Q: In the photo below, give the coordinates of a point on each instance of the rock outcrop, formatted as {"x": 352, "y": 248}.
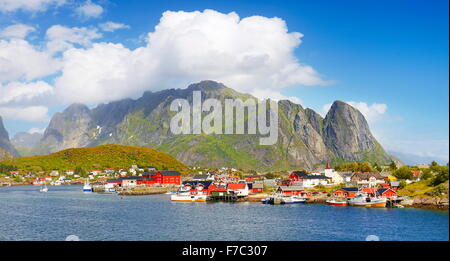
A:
{"x": 5, "y": 143}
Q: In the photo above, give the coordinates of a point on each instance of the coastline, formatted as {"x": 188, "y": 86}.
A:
{"x": 435, "y": 203}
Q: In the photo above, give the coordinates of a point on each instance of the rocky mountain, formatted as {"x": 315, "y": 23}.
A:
{"x": 5, "y": 143}
{"x": 305, "y": 139}
{"x": 24, "y": 142}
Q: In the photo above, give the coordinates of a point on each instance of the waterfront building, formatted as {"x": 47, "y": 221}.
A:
{"x": 239, "y": 189}
{"x": 387, "y": 193}
{"x": 345, "y": 192}
{"x": 256, "y": 187}
{"x": 290, "y": 190}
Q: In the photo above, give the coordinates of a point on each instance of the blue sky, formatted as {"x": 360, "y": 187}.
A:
{"x": 390, "y": 53}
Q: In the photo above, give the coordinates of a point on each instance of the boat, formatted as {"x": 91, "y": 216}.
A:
{"x": 364, "y": 200}
{"x": 337, "y": 202}
{"x": 293, "y": 200}
{"x": 109, "y": 188}
{"x": 170, "y": 193}
{"x": 43, "y": 188}
{"x": 87, "y": 187}
{"x": 277, "y": 199}
{"x": 186, "y": 196}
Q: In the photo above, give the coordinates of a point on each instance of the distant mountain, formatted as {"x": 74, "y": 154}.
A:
{"x": 412, "y": 159}
{"x": 5, "y": 143}
{"x": 105, "y": 156}
{"x": 24, "y": 142}
{"x": 306, "y": 140}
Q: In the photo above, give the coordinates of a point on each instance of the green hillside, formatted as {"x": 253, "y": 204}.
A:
{"x": 104, "y": 156}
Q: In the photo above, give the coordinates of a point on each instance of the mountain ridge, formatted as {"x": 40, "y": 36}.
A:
{"x": 305, "y": 139}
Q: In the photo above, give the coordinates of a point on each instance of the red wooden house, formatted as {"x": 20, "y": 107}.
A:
{"x": 345, "y": 192}
{"x": 387, "y": 193}
{"x": 290, "y": 190}
{"x": 297, "y": 175}
{"x": 256, "y": 187}
{"x": 161, "y": 177}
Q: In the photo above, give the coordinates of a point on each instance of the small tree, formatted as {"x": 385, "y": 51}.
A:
{"x": 393, "y": 166}
{"x": 402, "y": 184}
{"x": 441, "y": 176}
{"x": 403, "y": 172}
{"x": 426, "y": 174}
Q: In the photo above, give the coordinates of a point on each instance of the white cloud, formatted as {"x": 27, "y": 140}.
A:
{"x": 254, "y": 55}
{"x": 30, "y": 113}
{"x": 61, "y": 38}
{"x": 20, "y": 92}
{"x": 36, "y": 130}
{"x": 89, "y": 10}
{"x": 19, "y": 59}
{"x": 372, "y": 113}
{"x": 28, "y": 5}
{"x": 111, "y": 26}
{"x": 16, "y": 31}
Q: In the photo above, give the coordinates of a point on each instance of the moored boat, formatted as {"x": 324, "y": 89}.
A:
{"x": 87, "y": 187}
{"x": 293, "y": 200}
{"x": 43, "y": 188}
{"x": 186, "y": 196}
{"x": 365, "y": 200}
{"x": 337, "y": 202}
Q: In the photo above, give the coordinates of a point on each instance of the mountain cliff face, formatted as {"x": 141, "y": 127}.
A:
{"x": 305, "y": 139}
{"x": 5, "y": 143}
{"x": 347, "y": 134}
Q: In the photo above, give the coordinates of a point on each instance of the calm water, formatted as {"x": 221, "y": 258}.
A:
{"x": 27, "y": 214}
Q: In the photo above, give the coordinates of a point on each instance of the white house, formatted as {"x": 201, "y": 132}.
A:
{"x": 240, "y": 189}
{"x": 313, "y": 180}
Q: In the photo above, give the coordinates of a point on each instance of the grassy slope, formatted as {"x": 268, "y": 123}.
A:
{"x": 105, "y": 156}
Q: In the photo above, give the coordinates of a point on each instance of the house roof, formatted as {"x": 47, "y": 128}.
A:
{"x": 131, "y": 178}
{"x": 258, "y": 185}
{"x": 199, "y": 176}
{"x": 170, "y": 173}
{"x": 382, "y": 190}
{"x": 299, "y": 173}
{"x": 290, "y": 188}
{"x": 235, "y": 186}
{"x": 194, "y": 184}
{"x": 315, "y": 177}
{"x": 349, "y": 189}
{"x": 367, "y": 175}
{"x": 114, "y": 180}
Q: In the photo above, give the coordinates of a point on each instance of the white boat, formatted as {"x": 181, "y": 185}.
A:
{"x": 293, "y": 200}
{"x": 186, "y": 196}
{"x": 87, "y": 187}
{"x": 43, "y": 188}
{"x": 109, "y": 188}
{"x": 337, "y": 202}
{"x": 362, "y": 199}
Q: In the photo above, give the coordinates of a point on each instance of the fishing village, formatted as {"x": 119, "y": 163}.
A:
{"x": 322, "y": 186}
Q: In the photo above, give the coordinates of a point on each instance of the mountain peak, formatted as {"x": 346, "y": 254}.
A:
{"x": 206, "y": 85}
{"x": 77, "y": 107}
